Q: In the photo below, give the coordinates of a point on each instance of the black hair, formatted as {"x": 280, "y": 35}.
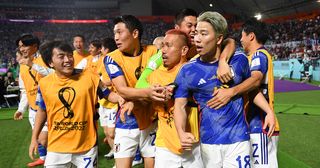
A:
{"x": 109, "y": 43}
{"x": 47, "y": 48}
{"x": 183, "y": 13}
{"x": 28, "y": 40}
{"x": 259, "y": 29}
{"x": 96, "y": 43}
{"x": 81, "y": 36}
{"x": 131, "y": 23}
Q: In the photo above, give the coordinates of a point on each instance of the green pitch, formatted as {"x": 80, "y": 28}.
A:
{"x": 298, "y": 147}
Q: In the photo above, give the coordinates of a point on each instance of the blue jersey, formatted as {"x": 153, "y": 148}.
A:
{"x": 259, "y": 62}
{"x": 114, "y": 70}
{"x": 198, "y": 79}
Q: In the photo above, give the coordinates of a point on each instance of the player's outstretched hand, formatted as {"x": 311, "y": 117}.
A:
{"x": 270, "y": 122}
{"x": 33, "y": 149}
{"x": 158, "y": 93}
{"x": 220, "y": 98}
{"x": 126, "y": 108}
{"x": 187, "y": 140}
{"x": 224, "y": 72}
{"x": 18, "y": 115}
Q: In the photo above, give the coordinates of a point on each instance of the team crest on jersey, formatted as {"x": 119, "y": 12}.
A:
{"x": 138, "y": 72}
{"x": 117, "y": 147}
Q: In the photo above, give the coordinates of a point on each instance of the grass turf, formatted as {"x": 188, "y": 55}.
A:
{"x": 298, "y": 146}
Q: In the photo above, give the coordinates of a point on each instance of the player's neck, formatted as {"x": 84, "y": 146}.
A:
{"x": 80, "y": 52}
{"x": 211, "y": 57}
{"x": 134, "y": 51}
{"x": 254, "y": 47}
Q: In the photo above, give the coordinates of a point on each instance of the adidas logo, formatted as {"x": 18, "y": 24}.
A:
{"x": 201, "y": 81}
{"x": 256, "y": 162}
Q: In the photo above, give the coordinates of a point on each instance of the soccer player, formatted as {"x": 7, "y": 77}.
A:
{"x": 108, "y": 45}
{"x": 107, "y": 110}
{"x": 223, "y": 133}
{"x": 186, "y": 21}
{"x": 28, "y": 45}
{"x": 95, "y": 60}
{"x": 264, "y": 128}
{"x": 79, "y": 53}
{"x": 124, "y": 67}
{"x": 69, "y": 106}
{"x": 168, "y": 148}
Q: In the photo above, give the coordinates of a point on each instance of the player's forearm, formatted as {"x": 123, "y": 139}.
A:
{"x": 114, "y": 97}
{"x": 262, "y": 103}
{"x": 180, "y": 115}
{"x": 40, "y": 119}
{"x": 229, "y": 47}
{"x": 246, "y": 86}
{"x": 42, "y": 70}
{"x": 23, "y": 104}
{"x": 134, "y": 93}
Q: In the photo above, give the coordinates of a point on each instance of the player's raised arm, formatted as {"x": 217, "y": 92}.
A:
{"x": 224, "y": 72}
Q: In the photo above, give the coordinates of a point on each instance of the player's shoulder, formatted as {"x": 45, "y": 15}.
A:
{"x": 262, "y": 52}
{"x": 149, "y": 51}
{"x": 114, "y": 53}
{"x": 189, "y": 65}
{"x": 108, "y": 59}
{"x": 239, "y": 56}
{"x": 150, "y": 48}
{"x": 47, "y": 79}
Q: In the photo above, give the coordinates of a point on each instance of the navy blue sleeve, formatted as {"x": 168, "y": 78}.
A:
{"x": 181, "y": 90}
{"x": 259, "y": 62}
{"x": 40, "y": 101}
{"x": 112, "y": 68}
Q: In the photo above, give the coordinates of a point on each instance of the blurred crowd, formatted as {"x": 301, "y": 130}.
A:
{"x": 291, "y": 39}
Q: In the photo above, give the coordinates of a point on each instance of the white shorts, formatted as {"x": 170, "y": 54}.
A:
{"x": 64, "y": 160}
{"x": 189, "y": 159}
{"x": 32, "y": 119}
{"x": 107, "y": 116}
{"x": 231, "y": 155}
{"x": 126, "y": 142}
{"x": 264, "y": 151}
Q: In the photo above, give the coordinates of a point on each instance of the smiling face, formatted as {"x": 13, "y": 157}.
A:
{"x": 123, "y": 37}
{"x": 94, "y": 50}
{"x": 62, "y": 62}
{"x": 245, "y": 40}
{"x": 188, "y": 25}
{"x": 27, "y": 51}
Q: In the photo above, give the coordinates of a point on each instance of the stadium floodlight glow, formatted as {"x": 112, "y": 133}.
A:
{"x": 211, "y": 5}
{"x": 258, "y": 16}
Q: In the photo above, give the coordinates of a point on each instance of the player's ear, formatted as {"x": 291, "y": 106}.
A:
{"x": 252, "y": 36}
{"x": 176, "y": 26}
{"x": 219, "y": 39}
{"x": 51, "y": 64}
{"x": 135, "y": 33}
{"x": 184, "y": 50}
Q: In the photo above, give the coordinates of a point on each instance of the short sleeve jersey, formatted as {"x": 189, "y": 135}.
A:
{"x": 198, "y": 79}
{"x": 261, "y": 61}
